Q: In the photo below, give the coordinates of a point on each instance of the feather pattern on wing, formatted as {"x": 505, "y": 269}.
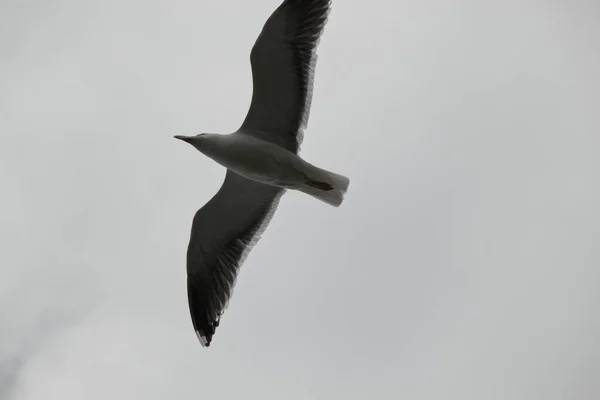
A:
{"x": 223, "y": 233}
{"x": 283, "y": 65}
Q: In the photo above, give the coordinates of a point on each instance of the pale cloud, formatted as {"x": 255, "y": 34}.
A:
{"x": 462, "y": 265}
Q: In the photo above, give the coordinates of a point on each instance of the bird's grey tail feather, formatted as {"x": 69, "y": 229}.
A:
{"x": 319, "y": 184}
{"x": 326, "y": 186}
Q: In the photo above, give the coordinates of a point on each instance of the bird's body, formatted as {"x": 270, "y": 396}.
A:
{"x": 265, "y": 162}
{"x": 261, "y": 158}
{"x": 255, "y": 159}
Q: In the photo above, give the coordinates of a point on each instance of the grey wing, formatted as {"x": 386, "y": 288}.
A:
{"x": 283, "y": 64}
{"x": 223, "y": 232}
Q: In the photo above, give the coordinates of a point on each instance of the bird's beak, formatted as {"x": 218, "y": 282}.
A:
{"x": 187, "y": 139}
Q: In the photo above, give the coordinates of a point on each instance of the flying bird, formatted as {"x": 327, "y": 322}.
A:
{"x": 261, "y": 158}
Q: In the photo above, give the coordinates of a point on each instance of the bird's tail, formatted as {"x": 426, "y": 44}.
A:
{"x": 326, "y": 186}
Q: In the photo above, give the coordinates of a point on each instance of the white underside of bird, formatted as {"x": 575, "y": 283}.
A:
{"x": 261, "y": 158}
{"x": 270, "y": 164}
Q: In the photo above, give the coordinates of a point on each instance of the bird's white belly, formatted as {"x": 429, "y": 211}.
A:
{"x": 259, "y": 161}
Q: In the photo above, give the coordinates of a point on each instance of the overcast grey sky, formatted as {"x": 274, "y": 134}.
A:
{"x": 463, "y": 265}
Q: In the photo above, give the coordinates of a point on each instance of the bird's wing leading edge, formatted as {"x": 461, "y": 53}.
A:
{"x": 223, "y": 232}
{"x": 283, "y": 63}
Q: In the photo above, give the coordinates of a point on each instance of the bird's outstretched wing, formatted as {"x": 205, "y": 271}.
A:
{"x": 283, "y": 64}
{"x": 223, "y": 232}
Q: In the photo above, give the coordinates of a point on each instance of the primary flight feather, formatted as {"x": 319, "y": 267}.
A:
{"x": 261, "y": 158}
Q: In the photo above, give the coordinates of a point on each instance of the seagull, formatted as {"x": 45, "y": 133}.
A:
{"x": 261, "y": 158}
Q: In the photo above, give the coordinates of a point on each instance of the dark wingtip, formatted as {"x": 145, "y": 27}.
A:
{"x": 199, "y": 305}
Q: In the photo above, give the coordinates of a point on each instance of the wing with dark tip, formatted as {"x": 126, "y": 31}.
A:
{"x": 283, "y": 64}
{"x": 223, "y": 233}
